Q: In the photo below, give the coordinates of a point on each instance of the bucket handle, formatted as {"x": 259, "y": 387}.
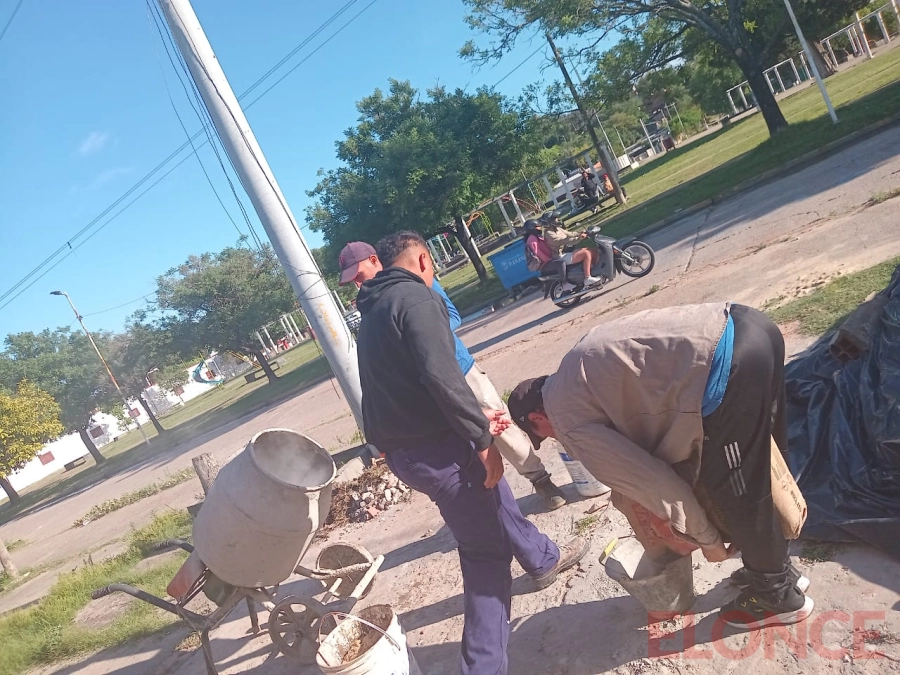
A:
{"x": 344, "y": 615}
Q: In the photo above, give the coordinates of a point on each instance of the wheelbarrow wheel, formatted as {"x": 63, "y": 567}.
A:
{"x": 294, "y": 628}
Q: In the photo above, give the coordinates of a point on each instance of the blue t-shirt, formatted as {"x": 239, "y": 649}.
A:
{"x": 463, "y": 357}
{"x": 721, "y": 369}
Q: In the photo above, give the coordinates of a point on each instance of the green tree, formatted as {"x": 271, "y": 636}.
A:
{"x": 420, "y": 165}
{"x": 62, "y": 363}
{"x": 29, "y": 418}
{"x": 656, "y": 32}
{"x": 219, "y": 301}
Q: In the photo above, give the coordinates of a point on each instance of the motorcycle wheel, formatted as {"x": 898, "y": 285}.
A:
{"x": 637, "y": 259}
{"x": 556, "y": 292}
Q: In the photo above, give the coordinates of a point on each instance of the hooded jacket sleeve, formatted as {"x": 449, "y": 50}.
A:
{"x": 635, "y": 473}
{"x": 427, "y": 332}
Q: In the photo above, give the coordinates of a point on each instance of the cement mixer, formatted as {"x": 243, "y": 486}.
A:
{"x": 254, "y": 527}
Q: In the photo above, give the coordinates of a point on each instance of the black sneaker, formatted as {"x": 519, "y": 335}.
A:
{"x": 569, "y": 555}
{"x": 741, "y": 578}
{"x": 751, "y": 611}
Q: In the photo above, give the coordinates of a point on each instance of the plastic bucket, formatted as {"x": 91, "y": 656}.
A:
{"x": 585, "y": 483}
{"x": 660, "y": 585}
{"x": 368, "y": 643}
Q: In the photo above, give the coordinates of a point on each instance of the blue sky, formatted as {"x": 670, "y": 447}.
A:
{"x": 86, "y": 115}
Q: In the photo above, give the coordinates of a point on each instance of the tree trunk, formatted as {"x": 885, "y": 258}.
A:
{"x": 460, "y": 232}
{"x": 207, "y": 469}
{"x": 824, "y": 66}
{"x": 264, "y": 364}
{"x": 156, "y": 425}
{"x": 9, "y": 490}
{"x": 765, "y": 100}
{"x": 6, "y": 562}
{"x": 89, "y": 444}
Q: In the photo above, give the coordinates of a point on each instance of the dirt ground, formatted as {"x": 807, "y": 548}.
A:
{"x": 776, "y": 240}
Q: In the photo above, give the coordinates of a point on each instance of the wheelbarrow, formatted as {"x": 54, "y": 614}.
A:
{"x": 255, "y": 525}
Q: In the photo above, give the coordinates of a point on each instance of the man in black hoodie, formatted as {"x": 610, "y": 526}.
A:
{"x": 419, "y": 411}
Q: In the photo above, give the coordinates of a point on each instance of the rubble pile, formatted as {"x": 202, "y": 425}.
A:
{"x": 376, "y": 490}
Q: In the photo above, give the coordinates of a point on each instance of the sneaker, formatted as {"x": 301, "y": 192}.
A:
{"x": 751, "y": 611}
{"x": 741, "y": 578}
{"x": 553, "y": 496}
{"x": 569, "y": 555}
{"x": 593, "y": 281}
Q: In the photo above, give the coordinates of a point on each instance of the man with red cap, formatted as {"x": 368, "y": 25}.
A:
{"x": 359, "y": 262}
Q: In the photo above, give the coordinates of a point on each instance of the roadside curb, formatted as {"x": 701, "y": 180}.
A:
{"x": 801, "y": 162}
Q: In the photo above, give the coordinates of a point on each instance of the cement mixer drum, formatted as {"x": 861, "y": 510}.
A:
{"x": 264, "y": 508}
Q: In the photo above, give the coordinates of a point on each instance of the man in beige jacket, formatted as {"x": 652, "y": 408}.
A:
{"x": 676, "y": 406}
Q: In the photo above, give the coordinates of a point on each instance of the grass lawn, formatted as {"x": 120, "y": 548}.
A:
{"x": 827, "y": 306}
{"x": 862, "y": 95}
{"x": 47, "y": 633}
{"x": 303, "y": 366}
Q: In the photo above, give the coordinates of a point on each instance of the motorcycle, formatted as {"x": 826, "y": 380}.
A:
{"x": 564, "y": 284}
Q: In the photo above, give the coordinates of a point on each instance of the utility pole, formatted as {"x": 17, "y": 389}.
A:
{"x": 812, "y": 62}
{"x": 103, "y": 361}
{"x": 237, "y": 137}
{"x": 601, "y": 149}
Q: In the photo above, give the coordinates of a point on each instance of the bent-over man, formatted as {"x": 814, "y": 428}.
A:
{"x": 671, "y": 407}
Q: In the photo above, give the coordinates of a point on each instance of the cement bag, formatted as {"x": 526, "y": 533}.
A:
{"x": 788, "y": 500}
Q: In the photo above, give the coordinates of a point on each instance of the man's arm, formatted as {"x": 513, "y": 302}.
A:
{"x": 455, "y": 318}
{"x": 635, "y": 473}
{"x": 428, "y": 335}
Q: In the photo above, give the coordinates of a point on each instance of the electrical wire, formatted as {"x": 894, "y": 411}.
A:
{"x": 526, "y": 60}
{"x": 10, "y": 20}
{"x": 66, "y": 249}
{"x": 124, "y": 304}
{"x": 151, "y": 15}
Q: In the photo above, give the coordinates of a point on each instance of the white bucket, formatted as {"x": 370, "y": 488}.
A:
{"x": 368, "y": 643}
{"x": 585, "y": 483}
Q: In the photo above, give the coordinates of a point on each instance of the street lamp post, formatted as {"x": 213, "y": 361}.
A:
{"x": 102, "y": 360}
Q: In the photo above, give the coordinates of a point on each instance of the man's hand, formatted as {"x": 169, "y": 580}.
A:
{"x": 493, "y": 463}
{"x": 583, "y": 235}
{"x": 719, "y": 553}
{"x": 498, "y": 420}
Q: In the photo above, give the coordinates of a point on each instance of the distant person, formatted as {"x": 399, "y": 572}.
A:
{"x": 438, "y": 439}
{"x": 675, "y": 409}
{"x": 537, "y": 244}
{"x": 359, "y": 262}
{"x": 591, "y": 190}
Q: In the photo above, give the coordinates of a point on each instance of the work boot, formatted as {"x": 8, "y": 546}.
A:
{"x": 770, "y": 600}
{"x": 553, "y": 496}
{"x": 741, "y": 578}
{"x": 569, "y": 555}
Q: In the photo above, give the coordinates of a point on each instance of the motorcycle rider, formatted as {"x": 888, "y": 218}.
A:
{"x": 541, "y": 248}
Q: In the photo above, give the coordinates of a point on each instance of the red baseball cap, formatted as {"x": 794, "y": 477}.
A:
{"x": 350, "y": 258}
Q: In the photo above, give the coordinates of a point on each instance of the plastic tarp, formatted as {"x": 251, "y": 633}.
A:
{"x": 844, "y": 435}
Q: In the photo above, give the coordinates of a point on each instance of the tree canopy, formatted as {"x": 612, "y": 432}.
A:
{"x": 220, "y": 300}
{"x": 749, "y": 33}
{"x": 419, "y": 164}
{"x": 63, "y": 363}
{"x": 29, "y": 418}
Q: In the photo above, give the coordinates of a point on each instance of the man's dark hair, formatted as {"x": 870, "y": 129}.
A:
{"x": 392, "y": 246}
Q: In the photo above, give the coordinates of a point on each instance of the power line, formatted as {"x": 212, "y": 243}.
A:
{"x": 124, "y": 304}
{"x": 524, "y": 61}
{"x": 10, "y": 20}
{"x": 67, "y": 248}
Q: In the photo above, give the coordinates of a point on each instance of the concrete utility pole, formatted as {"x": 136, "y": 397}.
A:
{"x": 239, "y": 142}
{"x": 103, "y": 361}
{"x": 605, "y": 157}
{"x": 812, "y": 63}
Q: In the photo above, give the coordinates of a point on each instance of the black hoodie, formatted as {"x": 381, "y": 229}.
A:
{"x": 413, "y": 389}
